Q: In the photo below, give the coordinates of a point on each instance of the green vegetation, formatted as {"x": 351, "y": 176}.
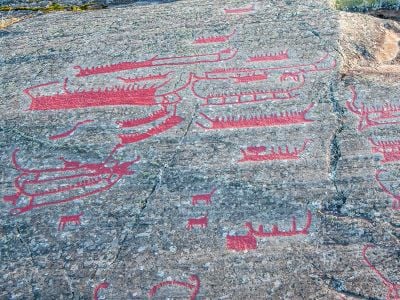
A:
{"x": 55, "y": 7}
{"x": 365, "y": 4}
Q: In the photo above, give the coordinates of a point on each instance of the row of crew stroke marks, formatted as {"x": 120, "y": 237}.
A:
{"x": 291, "y": 78}
{"x": 258, "y": 153}
{"x": 393, "y": 289}
{"x": 249, "y": 241}
{"x": 387, "y": 114}
{"x": 275, "y": 119}
{"x": 395, "y": 197}
{"x": 133, "y": 93}
{"x": 73, "y": 181}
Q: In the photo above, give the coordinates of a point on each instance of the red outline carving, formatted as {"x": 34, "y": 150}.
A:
{"x": 203, "y": 197}
{"x": 64, "y": 220}
{"x": 253, "y": 153}
{"x": 70, "y": 131}
{"x": 214, "y": 39}
{"x": 170, "y": 122}
{"x": 393, "y": 289}
{"x": 163, "y": 112}
{"x": 395, "y": 198}
{"x": 202, "y": 222}
{"x": 193, "y": 287}
{"x": 98, "y": 287}
{"x": 144, "y": 78}
{"x": 241, "y": 242}
{"x": 157, "y": 62}
{"x": 250, "y": 78}
{"x": 276, "y": 232}
{"x": 118, "y": 95}
{"x": 389, "y": 149}
{"x": 240, "y": 10}
{"x": 282, "y": 55}
{"x": 231, "y": 122}
{"x": 87, "y": 178}
{"x": 384, "y": 112}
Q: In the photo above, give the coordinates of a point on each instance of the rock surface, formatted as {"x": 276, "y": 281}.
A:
{"x": 82, "y": 219}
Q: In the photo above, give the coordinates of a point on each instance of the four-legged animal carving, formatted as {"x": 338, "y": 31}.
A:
{"x": 201, "y": 222}
{"x": 203, "y": 197}
{"x": 72, "y": 219}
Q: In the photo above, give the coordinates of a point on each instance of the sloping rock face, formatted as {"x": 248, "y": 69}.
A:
{"x": 200, "y": 150}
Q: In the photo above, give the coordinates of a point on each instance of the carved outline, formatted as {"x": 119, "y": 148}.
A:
{"x": 390, "y": 150}
{"x": 240, "y": 10}
{"x": 282, "y": 55}
{"x": 98, "y": 287}
{"x": 64, "y": 220}
{"x": 70, "y": 131}
{"x": 214, "y": 39}
{"x": 194, "y": 287}
{"x": 395, "y": 198}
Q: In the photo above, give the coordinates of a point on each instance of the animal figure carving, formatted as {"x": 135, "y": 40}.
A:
{"x": 203, "y": 197}
{"x": 201, "y": 222}
{"x": 100, "y": 286}
{"x": 73, "y": 181}
{"x": 393, "y": 289}
{"x": 193, "y": 285}
{"x": 72, "y": 219}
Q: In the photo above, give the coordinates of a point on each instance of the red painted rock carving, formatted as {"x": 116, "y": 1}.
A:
{"x": 73, "y": 181}
{"x": 214, "y": 39}
{"x": 240, "y": 10}
{"x": 100, "y": 286}
{"x": 250, "y": 78}
{"x": 201, "y": 222}
{"x": 163, "y": 112}
{"x": 193, "y": 285}
{"x": 132, "y": 94}
{"x": 70, "y": 131}
{"x": 155, "y": 61}
{"x": 255, "y": 153}
{"x": 393, "y": 289}
{"x": 276, "y": 232}
{"x": 281, "y": 119}
{"x": 389, "y": 149}
{"x": 386, "y": 114}
{"x": 282, "y": 55}
{"x": 206, "y": 198}
{"x": 144, "y": 78}
{"x": 167, "y": 124}
{"x": 395, "y": 198}
{"x": 241, "y": 242}
{"x": 71, "y": 219}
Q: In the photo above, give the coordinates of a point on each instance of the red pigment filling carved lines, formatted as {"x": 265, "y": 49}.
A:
{"x": 386, "y": 114}
{"x": 167, "y": 124}
{"x": 250, "y": 96}
{"x": 389, "y": 149}
{"x": 100, "y": 286}
{"x": 206, "y": 198}
{"x": 282, "y": 55}
{"x": 201, "y": 222}
{"x": 240, "y": 10}
{"x": 241, "y": 242}
{"x": 214, "y": 39}
{"x": 193, "y": 285}
{"x": 276, "y": 232}
{"x": 222, "y": 55}
{"x": 395, "y": 198}
{"x": 70, "y": 131}
{"x": 393, "y": 289}
{"x": 144, "y": 78}
{"x": 71, "y": 219}
{"x": 118, "y": 95}
{"x": 319, "y": 65}
{"x": 254, "y": 153}
{"x": 231, "y": 122}
{"x": 71, "y": 182}
{"x": 163, "y": 112}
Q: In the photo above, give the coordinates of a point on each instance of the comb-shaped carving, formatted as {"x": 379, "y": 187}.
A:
{"x": 214, "y": 39}
{"x": 387, "y": 114}
{"x": 281, "y": 119}
{"x": 163, "y": 112}
{"x": 282, "y": 55}
{"x": 144, "y": 78}
{"x": 155, "y": 61}
{"x": 257, "y": 153}
{"x": 389, "y": 149}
